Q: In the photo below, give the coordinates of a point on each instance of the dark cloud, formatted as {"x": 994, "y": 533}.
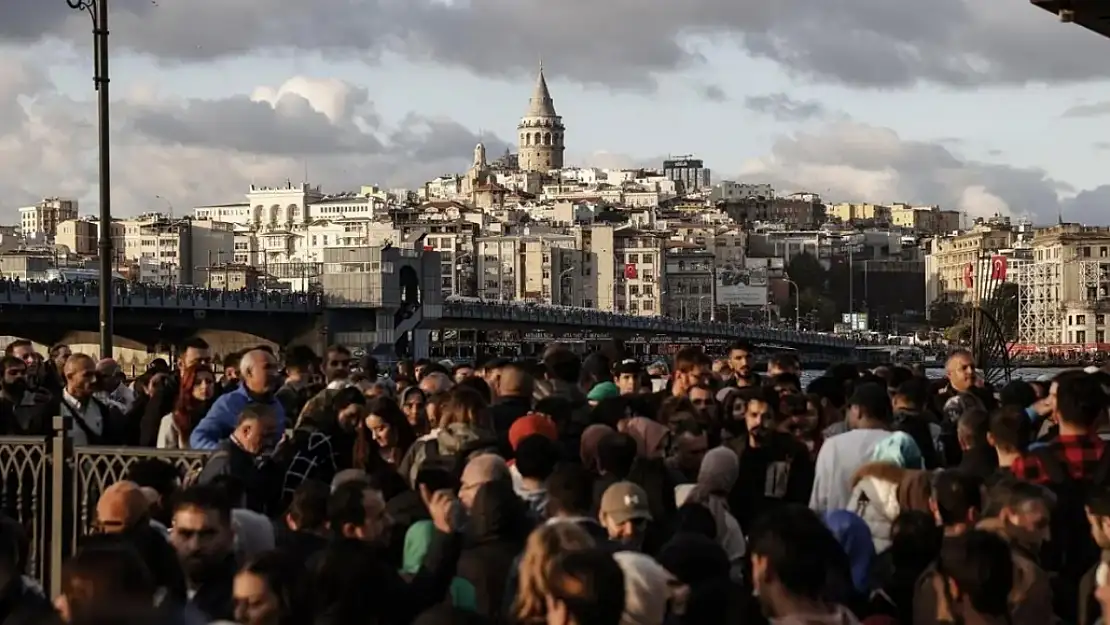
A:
{"x": 783, "y": 108}
{"x": 868, "y": 43}
{"x": 1096, "y": 109}
{"x": 713, "y": 93}
{"x": 209, "y": 151}
{"x": 849, "y": 161}
{"x": 292, "y": 127}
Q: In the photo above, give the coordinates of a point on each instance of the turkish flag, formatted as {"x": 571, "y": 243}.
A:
{"x": 630, "y": 272}
{"x": 998, "y": 268}
{"x": 969, "y": 276}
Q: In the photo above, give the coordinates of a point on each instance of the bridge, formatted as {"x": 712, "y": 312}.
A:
{"x": 1090, "y": 14}
{"x": 153, "y": 316}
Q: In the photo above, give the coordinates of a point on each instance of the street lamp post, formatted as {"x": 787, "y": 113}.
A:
{"x": 98, "y": 11}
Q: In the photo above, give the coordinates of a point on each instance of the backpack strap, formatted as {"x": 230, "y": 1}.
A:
{"x": 1055, "y": 470}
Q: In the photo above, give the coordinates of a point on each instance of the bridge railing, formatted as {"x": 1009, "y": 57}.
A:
{"x": 50, "y": 487}
{"x": 561, "y": 316}
{"x": 131, "y": 295}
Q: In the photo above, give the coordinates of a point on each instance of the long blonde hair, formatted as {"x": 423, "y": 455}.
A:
{"x": 544, "y": 544}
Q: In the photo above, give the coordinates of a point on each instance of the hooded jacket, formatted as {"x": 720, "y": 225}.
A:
{"x": 881, "y": 491}
{"x": 496, "y": 533}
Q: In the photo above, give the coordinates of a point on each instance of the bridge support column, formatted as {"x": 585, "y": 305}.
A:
{"x": 421, "y": 343}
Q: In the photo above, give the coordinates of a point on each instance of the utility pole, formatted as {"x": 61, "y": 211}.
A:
{"x": 98, "y": 11}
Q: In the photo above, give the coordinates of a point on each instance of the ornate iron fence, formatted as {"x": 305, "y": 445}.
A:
{"x": 51, "y": 487}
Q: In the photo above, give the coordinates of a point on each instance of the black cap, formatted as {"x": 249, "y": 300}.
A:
{"x": 873, "y": 398}
{"x": 628, "y": 365}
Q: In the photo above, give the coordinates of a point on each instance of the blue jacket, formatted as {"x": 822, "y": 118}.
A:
{"x": 223, "y": 417}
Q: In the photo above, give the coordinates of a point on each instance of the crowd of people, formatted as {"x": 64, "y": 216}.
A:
{"x": 573, "y": 491}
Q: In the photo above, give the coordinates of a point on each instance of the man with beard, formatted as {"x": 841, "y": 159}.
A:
{"x": 625, "y": 514}
{"x": 793, "y": 558}
{"x": 1098, "y": 515}
{"x": 775, "y": 468}
{"x": 203, "y": 537}
{"x": 23, "y": 411}
{"x": 741, "y": 357}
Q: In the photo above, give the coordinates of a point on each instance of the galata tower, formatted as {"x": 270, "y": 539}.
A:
{"x": 540, "y": 132}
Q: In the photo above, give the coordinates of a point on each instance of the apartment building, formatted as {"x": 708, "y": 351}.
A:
{"x": 689, "y": 281}
{"x": 925, "y": 220}
{"x": 1064, "y": 291}
{"x": 42, "y": 219}
{"x": 948, "y": 258}
{"x": 542, "y": 268}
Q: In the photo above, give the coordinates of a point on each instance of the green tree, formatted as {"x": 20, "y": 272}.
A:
{"x": 805, "y": 270}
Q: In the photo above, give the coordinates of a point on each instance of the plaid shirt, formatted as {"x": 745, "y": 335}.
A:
{"x": 1078, "y": 453}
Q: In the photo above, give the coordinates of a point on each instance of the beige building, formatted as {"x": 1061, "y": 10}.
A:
{"x": 949, "y": 257}
{"x": 540, "y": 132}
{"x": 929, "y": 220}
{"x": 1064, "y": 292}
{"x": 848, "y": 213}
{"x": 172, "y": 251}
{"x": 79, "y": 236}
{"x": 538, "y": 268}
{"x": 43, "y": 218}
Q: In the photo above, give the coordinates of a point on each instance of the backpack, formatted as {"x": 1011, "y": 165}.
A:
{"x": 1070, "y": 551}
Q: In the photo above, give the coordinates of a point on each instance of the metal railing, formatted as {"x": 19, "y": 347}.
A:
{"x": 131, "y": 295}
{"x": 51, "y": 487}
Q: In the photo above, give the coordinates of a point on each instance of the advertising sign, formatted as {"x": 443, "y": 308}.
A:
{"x": 739, "y": 286}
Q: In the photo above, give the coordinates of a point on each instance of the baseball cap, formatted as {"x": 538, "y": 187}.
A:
{"x": 625, "y": 501}
{"x": 628, "y": 365}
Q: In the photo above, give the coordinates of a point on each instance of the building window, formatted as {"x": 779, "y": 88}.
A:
{"x": 1081, "y": 320}
{"x": 1081, "y": 337}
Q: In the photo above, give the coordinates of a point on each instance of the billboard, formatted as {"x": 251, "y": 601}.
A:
{"x": 740, "y": 286}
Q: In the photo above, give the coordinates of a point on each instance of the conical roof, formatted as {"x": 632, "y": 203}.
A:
{"x": 541, "y": 104}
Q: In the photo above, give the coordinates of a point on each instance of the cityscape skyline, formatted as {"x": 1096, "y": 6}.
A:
{"x": 194, "y": 125}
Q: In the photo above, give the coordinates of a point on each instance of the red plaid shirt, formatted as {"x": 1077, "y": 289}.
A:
{"x": 1078, "y": 453}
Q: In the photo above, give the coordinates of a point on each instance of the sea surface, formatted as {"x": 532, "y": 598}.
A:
{"x": 1027, "y": 373}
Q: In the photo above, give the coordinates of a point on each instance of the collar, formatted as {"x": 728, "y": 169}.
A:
{"x": 74, "y": 402}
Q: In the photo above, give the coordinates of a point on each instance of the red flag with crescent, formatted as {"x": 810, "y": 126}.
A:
{"x": 630, "y": 272}
{"x": 998, "y": 268}
{"x": 969, "y": 275}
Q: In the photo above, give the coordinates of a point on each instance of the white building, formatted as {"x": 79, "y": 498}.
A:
{"x": 43, "y": 218}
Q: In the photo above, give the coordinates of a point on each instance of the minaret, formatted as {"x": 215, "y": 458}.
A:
{"x": 540, "y": 132}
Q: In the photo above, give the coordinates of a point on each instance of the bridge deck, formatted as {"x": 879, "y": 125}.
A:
{"x": 1094, "y": 15}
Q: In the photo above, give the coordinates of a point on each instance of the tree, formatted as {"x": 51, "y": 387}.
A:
{"x": 807, "y": 272}
{"x": 944, "y": 313}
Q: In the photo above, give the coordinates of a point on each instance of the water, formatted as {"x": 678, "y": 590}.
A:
{"x": 1026, "y": 373}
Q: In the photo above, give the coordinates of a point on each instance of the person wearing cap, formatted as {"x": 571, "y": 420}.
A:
{"x": 625, "y": 514}
{"x": 870, "y": 415}
{"x": 627, "y": 376}
{"x": 602, "y": 391}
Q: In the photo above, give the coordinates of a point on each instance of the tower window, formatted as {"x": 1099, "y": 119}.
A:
{"x": 547, "y": 138}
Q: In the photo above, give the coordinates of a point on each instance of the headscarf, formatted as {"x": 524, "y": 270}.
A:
{"x": 529, "y": 424}
{"x": 418, "y": 541}
{"x": 589, "y": 441}
{"x": 854, "y": 537}
{"x": 718, "y": 473}
{"x": 648, "y": 435}
{"x": 899, "y": 448}
{"x": 647, "y": 589}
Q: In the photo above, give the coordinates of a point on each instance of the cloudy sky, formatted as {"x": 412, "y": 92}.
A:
{"x": 987, "y": 107}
